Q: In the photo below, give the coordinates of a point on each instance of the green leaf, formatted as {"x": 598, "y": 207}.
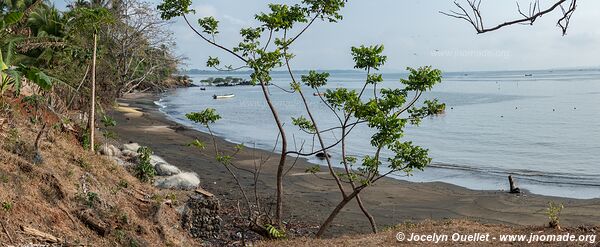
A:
{"x": 15, "y": 76}
{"x": 36, "y": 76}
{"x": 205, "y": 117}
{"x": 173, "y": 8}
{"x": 303, "y": 124}
{"x": 3, "y": 66}
{"x": 198, "y": 144}
{"x": 12, "y": 18}
{"x": 274, "y": 232}
{"x": 315, "y": 79}
{"x": 368, "y": 57}
{"x": 209, "y": 25}
{"x": 313, "y": 169}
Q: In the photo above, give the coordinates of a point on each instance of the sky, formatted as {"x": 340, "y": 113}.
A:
{"x": 414, "y": 34}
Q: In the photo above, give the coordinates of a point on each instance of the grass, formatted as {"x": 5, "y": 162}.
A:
{"x": 7, "y": 206}
{"x": 44, "y": 194}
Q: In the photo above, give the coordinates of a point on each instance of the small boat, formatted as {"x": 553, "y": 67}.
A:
{"x": 224, "y": 96}
{"x": 318, "y": 94}
{"x": 203, "y": 88}
{"x": 528, "y": 74}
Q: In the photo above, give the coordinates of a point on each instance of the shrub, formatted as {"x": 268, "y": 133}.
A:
{"x": 553, "y": 212}
{"x": 91, "y": 199}
{"x": 144, "y": 170}
{"x": 108, "y": 121}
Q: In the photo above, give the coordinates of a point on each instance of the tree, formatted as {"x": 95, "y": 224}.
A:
{"x": 11, "y": 76}
{"x": 140, "y": 45}
{"x": 87, "y": 19}
{"x": 472, "y": 14}
{"x": 384, "y": 112}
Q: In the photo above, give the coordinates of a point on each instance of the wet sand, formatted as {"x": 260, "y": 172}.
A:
{"x": 309, "y": 199}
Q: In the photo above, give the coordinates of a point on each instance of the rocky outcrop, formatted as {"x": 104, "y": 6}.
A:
{"x": 182, "y": 181}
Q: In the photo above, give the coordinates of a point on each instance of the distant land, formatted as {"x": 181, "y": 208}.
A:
{"x": 247, "y": 72}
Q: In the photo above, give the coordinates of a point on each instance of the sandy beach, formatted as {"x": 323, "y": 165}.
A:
{"x": 309, "y": 200}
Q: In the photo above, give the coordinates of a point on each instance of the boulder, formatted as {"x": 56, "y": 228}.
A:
{"x": 155, "y": 160}
{"x": 182, "y": 181}
{"x": 128, "y": 154}
{"x": 116, "y": 151}
{"x": 131, "y": 147}
{"x": 121, "y": 162}
{"x": 165, "y": 169}
{"x": 109, "y": 150}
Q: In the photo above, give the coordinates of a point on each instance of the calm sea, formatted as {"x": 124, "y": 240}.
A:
{"x": 544, "y": 129}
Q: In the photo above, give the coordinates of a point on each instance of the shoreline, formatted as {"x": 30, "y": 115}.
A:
{"x": 308, "y": 199}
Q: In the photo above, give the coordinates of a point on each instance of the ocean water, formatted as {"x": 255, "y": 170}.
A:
{"x": 543, "y": 129}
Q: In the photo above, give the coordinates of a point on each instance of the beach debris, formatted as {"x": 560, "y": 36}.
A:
{"x": 182, "y": 181}
{"x": 513, "y": 188}
{"x": 201, "y": 217}
{"x": 321, "y": 155}
{"x": 204, "y": 192}
{"x": 165, "y": 169}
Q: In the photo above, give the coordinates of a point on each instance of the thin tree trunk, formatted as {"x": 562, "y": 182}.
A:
{"x": 358, "y": 200}
{"x": 93, "y": 101}
{"x": 336, "y": 211}
{"x": 279, "y": 205}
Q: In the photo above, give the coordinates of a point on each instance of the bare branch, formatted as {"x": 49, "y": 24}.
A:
{"x": 535, "y": 11}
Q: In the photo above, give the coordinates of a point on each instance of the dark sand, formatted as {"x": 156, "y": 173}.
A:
{"x": 309, "y": 199}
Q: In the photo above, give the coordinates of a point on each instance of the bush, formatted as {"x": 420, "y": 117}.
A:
{"x": 553, "y": 212}
{"x": 144, "y": 170}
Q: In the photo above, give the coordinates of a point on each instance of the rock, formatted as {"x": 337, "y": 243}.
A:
{"x": 321, "y": 155}
{"x": 201, "y": 217}
{"x": 155, "y": 160}
{"x": 121, "y": 162}
{"x": 116, "y": 151}
{"x": 107, "y": 149}
{"x": 131, "y": 147}
{"x": 129, "y": 154}
{"x": 165, "y": 169}
{"x": 182, "y": 181}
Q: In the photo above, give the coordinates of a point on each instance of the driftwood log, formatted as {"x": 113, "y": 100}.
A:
{"x": 513, "y": 187}
{"x": 39, "y": 235}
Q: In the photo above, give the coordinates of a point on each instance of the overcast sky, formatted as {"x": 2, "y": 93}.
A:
{"x": 414, "y": 34}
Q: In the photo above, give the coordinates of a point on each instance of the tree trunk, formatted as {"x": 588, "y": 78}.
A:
{"x": 367, "y": 214}
{"x": 279, "y": 205}
{"x": 336, "y": 211}
{"x": 93, "y": 101}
